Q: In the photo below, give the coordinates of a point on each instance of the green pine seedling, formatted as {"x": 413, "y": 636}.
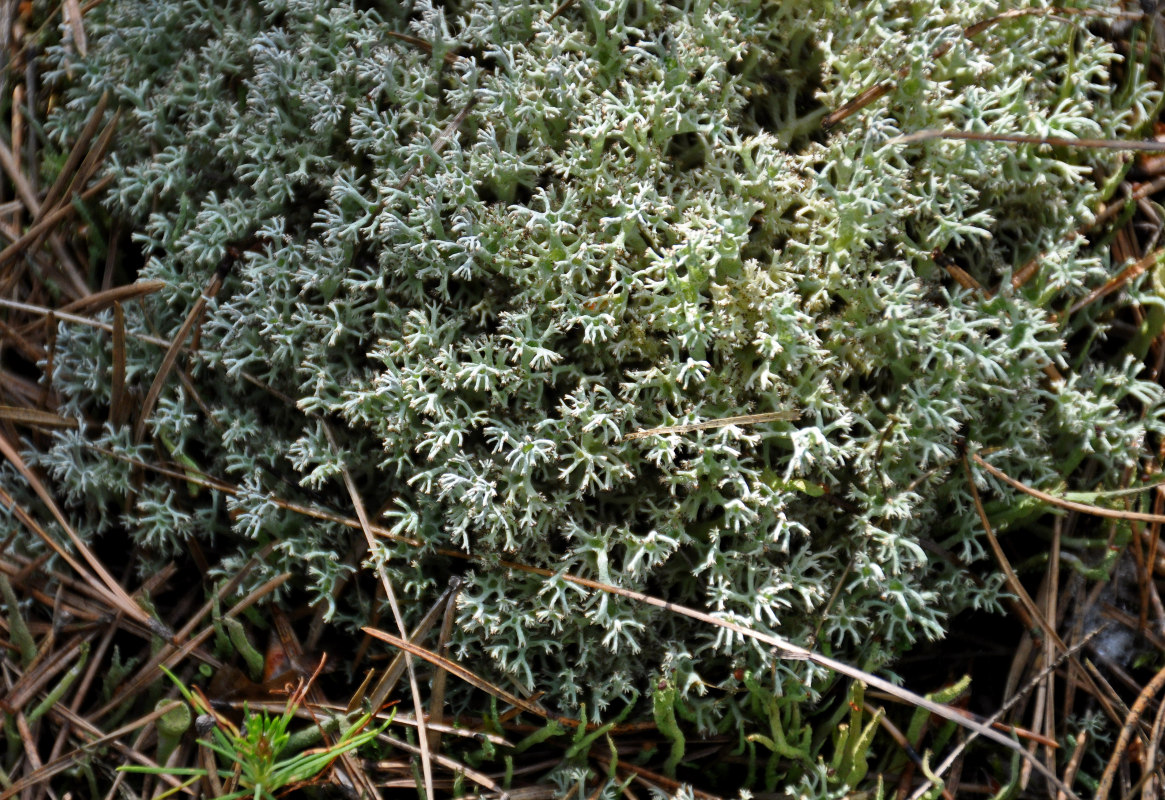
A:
{"x": 257, "y": 749}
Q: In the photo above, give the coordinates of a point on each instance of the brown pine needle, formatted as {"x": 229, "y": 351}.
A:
{"x": 105, "y": 583}
{"x": 453, "y": 668}
{"x": 34, "y": 416}
{"x": 171, "y": 357}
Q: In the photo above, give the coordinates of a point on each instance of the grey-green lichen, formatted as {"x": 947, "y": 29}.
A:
{"x": 638, "y": 222}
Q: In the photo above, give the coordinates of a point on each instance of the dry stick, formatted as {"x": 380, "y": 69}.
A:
{"x": 1120, "y": 749}
{"x": 479, "y": 778}
{"x": 1145, "y": 190}
{"x": 961, "y": 277}
{"x": 191, "y": 475}
{"x": 1144, "y": 565}
{"x": 335, "y": 710}
{"x": 449, "y": 58}
{"x": 872, "y": 93}
{"x": 1153, "y": 752}
{"x": 33, "y": 352}
{"x": 71, "y": 16}
{"x": 469, "y": 677}
{"x": 20, "y": 388}
{"x": 1053, "y": 610}
{"x": 1073, "y": 764}
{"x": 362, "y": 515}
{"x": 115, "y": 595}
{"x": 99, "y": 301}
{"x": 869, "y": 95}
{"x": 77, "y": 608}
{"x": 443, "y": 138}
{"x": 33, "y": 680}
{"x": 396, "y": 667}
{"x": 96, "y": 660}
{"x": 906, "y": 776}
{"x": 93, "y": 159}
{"x": 23, "y": 188}
{"x": 561, "y": 8}
{"x": 36, "y": 417}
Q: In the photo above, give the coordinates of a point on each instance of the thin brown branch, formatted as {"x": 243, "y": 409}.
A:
{"x": 1020, "y": 138}
{"x": 1060, "y": 502}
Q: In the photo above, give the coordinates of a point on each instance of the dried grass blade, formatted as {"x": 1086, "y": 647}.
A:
{"x": 115, "y": 594}
{"x": 31, "y": 351}
{"x": 48, "y": 222}
{"x": 1020, "y": 138}
{"x": 390, "y": 592}
{"x": 396, "y": 667}
{"x": 464, "y": 674}
{"x": 171, "y": 357}
{"x": 437, "y": 686}
{"x": 479, "y": 778}
{"x": 443, "y": 138}
{"x": 1129, "y": 273}
{"x": 10, "y": 165}
{"x": 61, "y": 316}
{"x": 743, "y": 419}
{"x": 93, "y": 158}
{"x": 1120, "y": 750}
{"x": 1032, "y": 616}
{"x": 32, "y": 681}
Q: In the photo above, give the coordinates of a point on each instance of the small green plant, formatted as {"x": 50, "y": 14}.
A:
{"x": 265, "y": 754}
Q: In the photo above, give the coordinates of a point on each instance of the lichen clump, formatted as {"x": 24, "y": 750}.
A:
{"x": 483, "y": 242}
